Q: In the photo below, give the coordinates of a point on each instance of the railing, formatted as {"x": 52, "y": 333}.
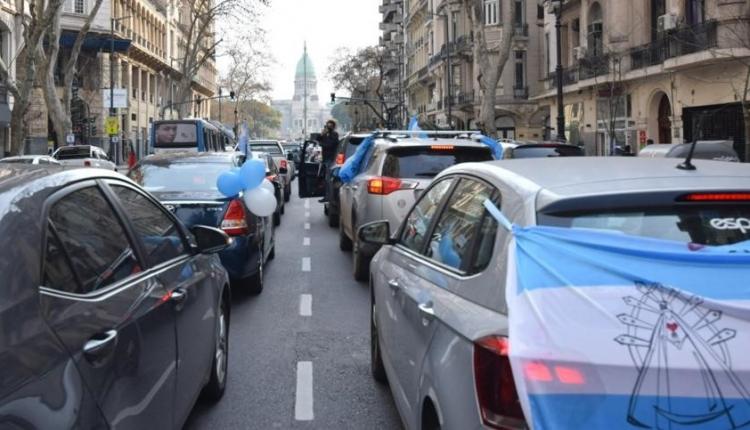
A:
{"x": 590, "y": 67}
{"x": 422, "y": 72}
{"x": 466, "y": 98}
{"x": 521, "y": 30}
{"x": 675, "y": 43}
{"x": 520, "y": 92}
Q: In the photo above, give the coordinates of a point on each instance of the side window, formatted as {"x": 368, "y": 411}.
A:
{"x": 370, "y": 156}
{"x": 418, "y": 222}
{"x": 458, "y": 227}
{"x": 486, "y": 242}
{"x": 160, "y": 236}
{"x": 89, "y": 233}
{"x": 58, "y": 272}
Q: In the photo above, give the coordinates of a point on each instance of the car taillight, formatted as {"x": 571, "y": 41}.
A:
{"x": 716, "y": 197}
{"x": 384, "y": 185}
{"x": 496, "y": 390}
{"x": 340, "y": 159}
{"x": 234, "y": 223}
{"x": 87, "y": 163}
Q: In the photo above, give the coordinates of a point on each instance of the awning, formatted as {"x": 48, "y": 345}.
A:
{"x": 95, "y": 42}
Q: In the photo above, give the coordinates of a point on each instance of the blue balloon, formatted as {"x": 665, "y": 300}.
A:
{"x": 229, "y": 184}
{"x": 252, "y": 173}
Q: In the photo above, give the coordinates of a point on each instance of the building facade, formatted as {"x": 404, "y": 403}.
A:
{"x": 667, "y": 70}
{"x": 297, "y": 115}
{"x": 392, "y": 43}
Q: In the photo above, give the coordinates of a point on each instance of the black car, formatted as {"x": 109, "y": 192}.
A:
{"x": 347, "y": 147}
{"x": 186, "y": 184}
{"x": 273, "y": 176}
{"x": 113, "y": 313}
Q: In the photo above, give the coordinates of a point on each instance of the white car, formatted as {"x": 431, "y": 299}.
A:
{"x": 84, "y": 156}
{"x": 30, "y": 159}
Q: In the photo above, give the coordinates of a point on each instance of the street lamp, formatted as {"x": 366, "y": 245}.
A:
{"x": 557, "y": 7}
{"x": 112, "y": 110}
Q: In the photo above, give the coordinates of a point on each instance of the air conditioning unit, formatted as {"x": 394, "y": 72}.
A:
{"x": 666, "y": 22}
{"x": 579, "y": 52}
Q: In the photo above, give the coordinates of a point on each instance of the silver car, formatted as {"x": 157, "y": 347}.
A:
{"x": 30, "y": 159}
{"x": 84, "y": 156}
{"x": 439, "y": 322}
{"x": 396, "y": 170}
{"x": 285, "y": 166}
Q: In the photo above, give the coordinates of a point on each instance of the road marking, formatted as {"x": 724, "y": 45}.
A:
{"x": 307, "y": 214}
{"x": 306, "y": 241}
{"x": 307, "y": 226}
{"x": 306, "y": 264}
{"x": 303, "y": 402}
{"x": 305, "y": 305}
{"x": 307, "y": 204}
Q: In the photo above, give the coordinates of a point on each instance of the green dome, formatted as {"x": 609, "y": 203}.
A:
{"x": 301, "y": 67}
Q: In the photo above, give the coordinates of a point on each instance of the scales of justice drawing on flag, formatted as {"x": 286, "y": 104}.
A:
{"x": 614, "y": 331}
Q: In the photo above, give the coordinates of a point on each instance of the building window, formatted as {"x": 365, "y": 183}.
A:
{"x": 518, "y": 18}
{"x": 491, "y": 12}
{"x": 79, "y": 6}
{"x": 520, "y": 80}
{"x": 695, "y": 11}
{"x": 547, "y": 53}
{"x": 454, "y": 25}
{"x": 595, "y": 31}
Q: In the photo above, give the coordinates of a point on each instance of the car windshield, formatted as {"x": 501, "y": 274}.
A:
{"x": 706, "y": 225}
{"x": 352, "y": 145}
{"x": 428, "y": 161}
{"x": 547, "y": 151}
{"x": 179, "y": 177}
{"x": 73, "y": 153}
{"x": 271, "y": 148}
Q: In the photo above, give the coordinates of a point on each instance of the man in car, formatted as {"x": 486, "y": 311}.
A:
{"x": 329, "y": 141}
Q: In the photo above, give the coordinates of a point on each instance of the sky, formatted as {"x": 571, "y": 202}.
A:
{"x": 326, "y": 25}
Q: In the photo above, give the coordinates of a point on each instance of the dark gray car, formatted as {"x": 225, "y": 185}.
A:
{"x": 113, "y": 314}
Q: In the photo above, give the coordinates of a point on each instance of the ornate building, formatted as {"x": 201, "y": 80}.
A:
{"x": 293, "y": 115}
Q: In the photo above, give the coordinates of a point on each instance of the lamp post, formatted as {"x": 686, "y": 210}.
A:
{"x": 557, "y": 6}
{"x": 112, "y": 110}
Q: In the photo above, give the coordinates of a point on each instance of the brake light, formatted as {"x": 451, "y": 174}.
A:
{"x": 442, "y": 147}
{"x": 234, "y": 223}
{"x": 493, "y": 379}
{"x": 716, "y": 197}
{"x": 383, "y": 185}
{"x": 340, "y": 159}
{"x": 87, "y": 163}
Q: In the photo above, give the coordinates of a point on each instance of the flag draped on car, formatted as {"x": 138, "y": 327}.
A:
{"x": 353, "y": 164}
{"x": 613, "y": 331}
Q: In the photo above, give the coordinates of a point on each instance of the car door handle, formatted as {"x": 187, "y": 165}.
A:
{"x": 99, "y": 344}
{"x": 394, "y": 285}
{"x": 178, "y": 295}
{"x": 426, "y": 311}
{"x": 355, "y": 187}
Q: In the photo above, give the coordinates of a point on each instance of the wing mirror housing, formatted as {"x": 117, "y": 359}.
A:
{"x": 209, "y": 240}
{"x": 376, "y": 233}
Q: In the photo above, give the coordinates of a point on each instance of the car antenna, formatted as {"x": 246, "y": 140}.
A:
{"x": 687, "y": 164}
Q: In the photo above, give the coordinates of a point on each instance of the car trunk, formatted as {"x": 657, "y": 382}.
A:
{"x": 196, "y": 209}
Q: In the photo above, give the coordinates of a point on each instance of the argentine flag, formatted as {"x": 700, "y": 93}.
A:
{"x": 611, "y": 331}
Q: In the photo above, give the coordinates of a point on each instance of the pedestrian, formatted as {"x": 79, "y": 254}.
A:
{"x": 329, "y": 142}
{"x": 131, "y": 157}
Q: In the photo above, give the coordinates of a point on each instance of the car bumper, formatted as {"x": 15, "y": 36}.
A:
{"x": 242, "y": 258}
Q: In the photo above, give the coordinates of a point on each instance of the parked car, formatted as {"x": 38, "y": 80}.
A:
{"x": 285, "y": 166}
{"x": 84, "y": 156}
{"x": 720, "y": 150}
{"x": 272, "y": 174}
{"x": 292, "y": 150}
{"x": 186, "y": 184}
{"x": 438, "y": 308}
{"x": 396, "y": 170}
{"x": 104, "y": 292}
{"x": 30, "y": 159}
{"x": 347, "y": 147}
{"x": 542, "y": 149}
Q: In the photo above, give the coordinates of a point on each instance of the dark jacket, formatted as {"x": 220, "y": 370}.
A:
{"x": 329, "y": 142}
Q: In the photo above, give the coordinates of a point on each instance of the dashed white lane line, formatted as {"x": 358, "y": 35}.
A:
{"x": 305, "y": 305}
{"x": 303, "y": 402}
{"x": 306, "y": 264}
{"x": 307, "y": 226}
{"x": 306, "y": 241}
{"x": 307, "y": 214}
{"x": 307, "y": 204}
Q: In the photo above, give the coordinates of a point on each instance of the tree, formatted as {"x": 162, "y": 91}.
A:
{"x": 248, "y": 69}
{"x": 340, "y": 113}
{"x": 60, "y": 110}
{"x": 490, "y": 55}
{"x": 35, "y": 24}
{"x": 262, "y": 119}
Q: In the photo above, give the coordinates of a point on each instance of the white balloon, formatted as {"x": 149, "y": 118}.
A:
{"x": 268, "y": 185}
{"x": 260, "y": 201}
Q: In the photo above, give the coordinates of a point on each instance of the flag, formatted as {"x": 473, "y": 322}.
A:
{"x": 414, "y": 126}
{"x": 353, "y": 164}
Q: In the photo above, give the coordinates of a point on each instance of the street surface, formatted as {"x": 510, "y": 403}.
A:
{"x": 299, "y": 352}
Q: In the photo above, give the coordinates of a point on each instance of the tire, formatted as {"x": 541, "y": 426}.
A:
{"x": 254, "y": 284}
{"x": 345, "y": 244}
{"x": 272, "y": 254}
{"x": 333, "y": 220}
{"x": 214, "y": 390}
{"x": 376, "y": 359}
{"x": 276, "y": 219}
{"x": 283, "y": 209}
{"x": 360, "y": 263}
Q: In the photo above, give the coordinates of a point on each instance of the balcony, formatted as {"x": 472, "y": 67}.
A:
{"x": 521, "y": 30}
{"x": 520, "y": 92}
{"x": 422, "y": 72}
{"x": 593, "y": 66}
{"x": 682, "y": 41}
{"x": 466, "y": 98}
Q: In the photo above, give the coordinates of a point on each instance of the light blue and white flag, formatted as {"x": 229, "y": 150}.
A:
{"x": 611, "y": 331}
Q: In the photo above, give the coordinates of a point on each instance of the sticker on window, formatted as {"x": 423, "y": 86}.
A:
{"x": 741, "y": 224}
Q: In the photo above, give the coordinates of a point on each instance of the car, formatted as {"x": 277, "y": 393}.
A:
{"x": 438, "y": 310}
{"x": 720, "y": 150}
{"x": 396, "y": 170}
{"x": 542, "y": 149}
{"x": 273, "y": 176}
{"x": 292, "y": 153}
{"x": 30, "y": 159}
{"x": 186, "y": 184}
{"x": 347, "y": 147}
{"x": 84, "y": 156}
{"x": 285, "y": 166}
{"x": 115, "y": 314}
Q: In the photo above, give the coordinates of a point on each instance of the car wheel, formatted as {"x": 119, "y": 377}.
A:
{"x": 360, "y": 263}
{"x": 333, "y": 219}
{"x": 255, "y": 282}
{"x": 214, "y": 390}
{"x": 345, "y": 244}
{"x": 272, "y": 254}
{"x": 376, "y": 360}
{"x": 276, "y": 219}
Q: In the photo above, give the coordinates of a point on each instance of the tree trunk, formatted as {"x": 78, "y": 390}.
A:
{"x": 17, "y": 129}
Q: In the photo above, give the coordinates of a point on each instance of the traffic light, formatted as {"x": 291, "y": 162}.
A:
{"x": 333, "y": 98}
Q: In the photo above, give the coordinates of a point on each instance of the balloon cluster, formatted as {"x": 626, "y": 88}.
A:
{"x": 250, "y": 180}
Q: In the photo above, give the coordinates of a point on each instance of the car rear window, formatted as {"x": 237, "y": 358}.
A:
{"x": 705, "y": 224}
{"x": 73, "y": 153}
{"x": 428, "y": 161}
{"x": 270, "y": 148}
{"x": 351, "y": 147}
{"x": 179, "y": 177}
{"x": 547, "y": 151}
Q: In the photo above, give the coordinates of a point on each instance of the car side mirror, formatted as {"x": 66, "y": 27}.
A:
{"x": 376, "y": 233}
{"x": 209, "y": 240}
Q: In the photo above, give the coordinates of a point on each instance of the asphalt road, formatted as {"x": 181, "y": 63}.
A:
{"x": 288, "y": 370}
